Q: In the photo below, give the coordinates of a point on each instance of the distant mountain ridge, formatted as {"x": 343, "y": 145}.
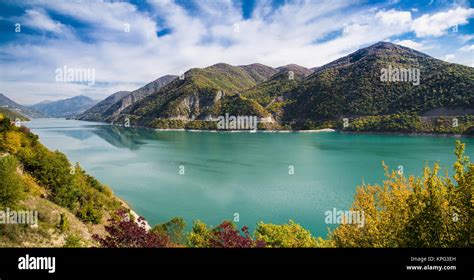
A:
{"x": 96, "y": 112}
{"x": 22, "y": 110}
{"x": 65, "y": 108}
{"x": 293, "y": 96}
{"x": 117, "y": 102}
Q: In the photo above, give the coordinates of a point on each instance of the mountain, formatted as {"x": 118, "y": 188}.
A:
{"x": 22, "y": 110}
{"x": 44, "y": 102}
{"x": 117, "y": 102}
{"x": 203, "y": 92}
{"x": 12, "y": 115}
{"x": 259, "y": 72}
{"x": 361, "y": 84}
{"x": 95, "y": 113}
{"x": 352, "y": 86}
{"x": 295, "y": 68}
{"x": 136, "y": 96}
{"x": 271, "y": 93}
{"x": 66, "y": 107}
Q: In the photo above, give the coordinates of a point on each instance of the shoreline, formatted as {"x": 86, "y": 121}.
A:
{"x": 408, "y": 133}
{"x": 316, "y": 131}
{"x": 132, "y": 212}
{"x": 290, "y": 131}
{"x": 245, "y": 131}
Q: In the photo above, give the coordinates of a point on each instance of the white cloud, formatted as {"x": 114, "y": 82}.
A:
{"x": 395, "y": 19}
{"x": 439, "y": 23}
{"x": 38, "y": 19}
{"x": 296, "y": 32}
{"x": 449, "y": 57}
{"x": 419, "y": 46}
{"x": 469, "y": 48}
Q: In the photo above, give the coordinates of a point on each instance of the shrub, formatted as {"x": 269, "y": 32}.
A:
{"x": 12, "y": 141}
{"x": 11, "y": 184}
{"x": 124, "y": 232}
{"x": 200, "y": 235}
{"x": 226, "y": 235}
{"x": 63, "y": 224}
{"x": 291, "y": 235}
{"x": 73, "y": 241}
{"x": 431, "y": 211}
{"x": 174, "y": 229}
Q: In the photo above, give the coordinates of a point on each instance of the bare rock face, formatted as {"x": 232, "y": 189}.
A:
{"x": 127, "y": 101}
{"x": 115, "y": 104}
{"x": 268, "y": 119}
{"x": 197, "y": 106}
{"x": 220, "y": 94}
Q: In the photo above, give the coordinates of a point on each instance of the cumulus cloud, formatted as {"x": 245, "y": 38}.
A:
{"x": 419, "y": 46}
{"x": 309, "y": 33}
{"x": 438, "y": 24}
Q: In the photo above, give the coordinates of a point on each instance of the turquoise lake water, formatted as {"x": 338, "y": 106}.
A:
{"x": 245, "y": 173}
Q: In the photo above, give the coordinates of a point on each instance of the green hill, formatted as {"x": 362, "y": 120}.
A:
{"x": 26, "y": 111}
{"x": 71, "y": 205}
{"x": 360, "y": 87}
{"x": 12, "y": 115}
{"x": 352, "y": 86}
{"x": 202, "y": 93}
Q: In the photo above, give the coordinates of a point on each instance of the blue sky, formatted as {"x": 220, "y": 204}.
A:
{"x": 171, "y": 36}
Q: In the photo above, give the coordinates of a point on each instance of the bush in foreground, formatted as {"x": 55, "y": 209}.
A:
{"x": 124, "y": 232}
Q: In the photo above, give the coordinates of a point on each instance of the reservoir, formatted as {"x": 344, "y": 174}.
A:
{"x": 212, "y": 176}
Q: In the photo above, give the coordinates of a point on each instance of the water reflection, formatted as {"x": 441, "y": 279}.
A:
{"x": 122, "y": 137}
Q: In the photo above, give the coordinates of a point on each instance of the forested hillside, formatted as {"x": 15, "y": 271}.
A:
{"x": 293, "y": 97}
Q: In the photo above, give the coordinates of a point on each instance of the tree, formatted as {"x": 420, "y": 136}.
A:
{"x": 12, "y": 141}
{"x": 225, "y": 235}
{"x": 11, "y": 184}
{"x": 174, "y": 229}
{"x": 291, "y": 235}
{"x": 430, "y": 211}
{"x": 200, "y": 235}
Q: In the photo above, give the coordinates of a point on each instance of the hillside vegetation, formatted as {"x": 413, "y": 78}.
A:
{"x": 351, "y": 86}
{"x": 71, "y": 204}
{"x": 294, "y": 97}
{"x": 12, "y": 115}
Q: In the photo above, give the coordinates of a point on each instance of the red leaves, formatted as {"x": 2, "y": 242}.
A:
{"x": 226, "y": 236}
{"x": 124, "y": 232}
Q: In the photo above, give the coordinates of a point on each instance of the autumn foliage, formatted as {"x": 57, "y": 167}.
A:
{"x": 125, "y": 232}
{"x": 227, "y": 236}
{"x": 427, "y": 211}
